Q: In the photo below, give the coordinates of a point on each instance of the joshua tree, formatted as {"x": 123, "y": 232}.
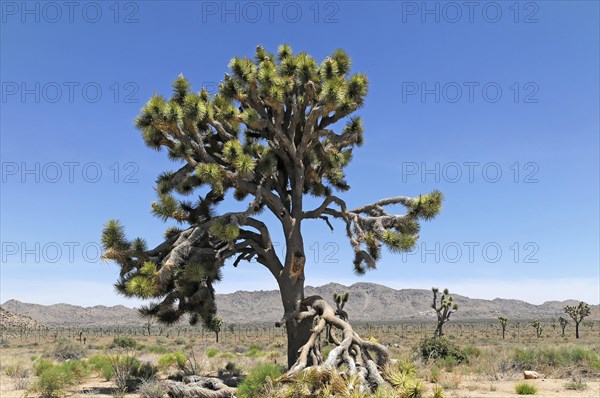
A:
{"x": 268, "y": 136}
{"x": 577, "y": 313}
{"x": 538, "y": 328}
{"x": 340, "y": 302}
{"x": 563, "y": 324}
{"x": 503, "y": 323}
{"x": 443, "y": 309}
{"x": 215, "y": 325}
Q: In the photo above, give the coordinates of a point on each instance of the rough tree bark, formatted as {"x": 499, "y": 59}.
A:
{"x": 199, "y": 387}
{"x": 351, "y": 350}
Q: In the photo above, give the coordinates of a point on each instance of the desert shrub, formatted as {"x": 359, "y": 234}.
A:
{"x": 525, "y": 389}
{"x": 435, "y": 374}
{"x": 54, "y": 379}
{"x": 174, "y": 359}
{"x": 254, "y": 382}
{"x": 41, "y": 364}
{"x": 254, "y": 351}
{"x": 101, "y": 365}
{"x": 79, "y": 369}
{"x": 449, "y": 363}
{"x": 19, "y": 375}
{"x": 52, "y": 382}
{"x": 144, "y": 371}
{"x": 439, "y": 347}
{"x": 555, "y": 357}
{"x": 576, "y": 385}
{"x": 65, "y": 349}
{"x": 228, "y": 355}
{"x": 125, "y": 366}
{"x": 151, "y": 389}
{"x": 157, "y": 349}
{"x": 123, "y": 342}
{"x": 471, "y": 351}
{"x": 211, "y": 352}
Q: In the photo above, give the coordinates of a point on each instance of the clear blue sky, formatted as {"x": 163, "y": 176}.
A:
{"x": 457, "y": 95}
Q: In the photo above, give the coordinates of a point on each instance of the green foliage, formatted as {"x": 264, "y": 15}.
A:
{"x": 52, "y": 382}
{"x": 157, "y": 349}
{"x": 175, "y": 359}
{"x": 225, "y": 232}
{"x": 434, "y": 374}
{"x": 471, "y": 351}
{"x": 525, "y": 389}
{"x": 101, "y": 365}
{"x": 405, "y": 382}
{"x": 254, "y": 382}
{"x": 53, "y": 379}
{"x": 439, "y": 347}
{"x": 427, "y": 206}
{"x": 123, "y": 342}
{"x": 113, "y": 236}
{"x": 211, "y": 352}
{"x": 40, "y": 365}
{"x": 437, "y": 392}
{"x": 555, "y": 357}
{"x": 254, "y": 351}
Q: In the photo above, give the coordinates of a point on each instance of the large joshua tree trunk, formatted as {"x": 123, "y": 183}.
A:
{"x": 362, "y": 359}
{"x": 298, "y": 333}
{"x": 291, "y": 286}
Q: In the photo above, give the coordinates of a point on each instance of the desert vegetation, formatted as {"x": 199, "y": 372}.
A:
{"x": 471, "y": 359}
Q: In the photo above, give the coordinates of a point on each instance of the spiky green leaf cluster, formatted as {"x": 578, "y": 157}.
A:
{"x": 341, "y": 298}
{"x": 427, "y": 206}
{"x": 179, "y": 288}
{"x": 225, "y": 232}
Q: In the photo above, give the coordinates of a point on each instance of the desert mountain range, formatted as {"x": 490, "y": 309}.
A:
{"x": 368, "y": 302}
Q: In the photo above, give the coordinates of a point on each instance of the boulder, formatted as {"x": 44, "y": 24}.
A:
{"x": 531, "y": 375}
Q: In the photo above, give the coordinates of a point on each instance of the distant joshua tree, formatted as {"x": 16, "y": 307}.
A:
{"x": 215, "y": 326}
{"x": 443, "y": 309}
{"x": 503, "y": 323}
{"x": 577, "y": 314}
{"x": 563, "y": 324}
{"x": 340, "y": 302}
{"x": 538, "y": 328}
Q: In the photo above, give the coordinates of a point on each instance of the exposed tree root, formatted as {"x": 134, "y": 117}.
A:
{"x": 199, "y": 387}
{"x": 351, "y": 351}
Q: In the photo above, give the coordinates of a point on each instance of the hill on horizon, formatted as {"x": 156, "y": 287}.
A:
{"x": 369, "y": 302}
